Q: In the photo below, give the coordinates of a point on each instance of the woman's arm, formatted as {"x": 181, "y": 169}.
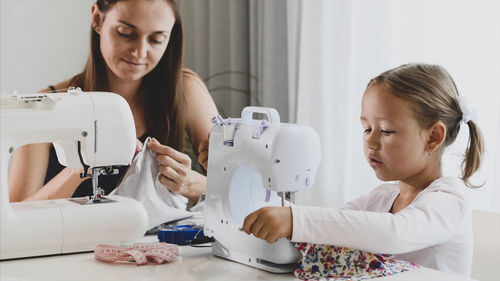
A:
{"x": 175, "y": 167}
{"x": 27, "y": 175}
{"x": 200, "y": 110}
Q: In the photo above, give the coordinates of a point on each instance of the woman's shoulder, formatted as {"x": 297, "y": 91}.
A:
{"x": 200, "y": 107}
{"x": 191, "y": 80}
{"x": 193, "y": 88}
{"x": 59, "y": 86}
{"x": 186, "y": 72}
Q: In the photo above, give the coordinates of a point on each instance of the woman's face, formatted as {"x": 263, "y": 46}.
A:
{"x": 133, "y": 36}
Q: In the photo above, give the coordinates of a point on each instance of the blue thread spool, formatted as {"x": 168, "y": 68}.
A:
{"x": 180, "y": 234}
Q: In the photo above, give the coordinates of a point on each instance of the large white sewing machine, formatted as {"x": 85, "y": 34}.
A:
{"x": 252, "y": 164}
{"x": 89, "y": 130}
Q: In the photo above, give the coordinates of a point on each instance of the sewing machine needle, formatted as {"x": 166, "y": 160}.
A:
{"x": 95, "y": 173}
{"x": 94, "y": 181}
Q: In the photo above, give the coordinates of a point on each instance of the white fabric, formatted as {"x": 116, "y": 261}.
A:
{"x": 141, "y": 183}
{"x": 435, "y": 230}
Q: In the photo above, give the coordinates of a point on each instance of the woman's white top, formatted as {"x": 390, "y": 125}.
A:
{"x": 435, "y": 230}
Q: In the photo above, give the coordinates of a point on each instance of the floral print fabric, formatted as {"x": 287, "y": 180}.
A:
{"x": 325, "y": 262}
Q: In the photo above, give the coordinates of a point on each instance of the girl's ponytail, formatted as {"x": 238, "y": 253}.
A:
{"x": 473, "y": 153}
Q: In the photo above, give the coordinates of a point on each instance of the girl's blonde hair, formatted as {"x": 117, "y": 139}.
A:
{"x": 433, "y": 96}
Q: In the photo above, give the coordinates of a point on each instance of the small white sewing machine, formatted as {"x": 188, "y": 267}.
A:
{"x": 252, "y": 164}
{"x": 90, "y": 130}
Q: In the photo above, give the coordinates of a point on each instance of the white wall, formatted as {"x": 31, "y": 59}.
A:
{"x": 356, "y": 40}
{"x": 42, "y": 42}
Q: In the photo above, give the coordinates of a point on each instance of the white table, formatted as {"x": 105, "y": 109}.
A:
{"x": 192, "y": 264}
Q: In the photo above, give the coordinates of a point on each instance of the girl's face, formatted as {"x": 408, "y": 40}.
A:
{"x": 133, "y": 36}
{"x": 394, "y": 143}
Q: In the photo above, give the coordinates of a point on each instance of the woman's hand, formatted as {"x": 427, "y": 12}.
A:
{"x": 269, "y": 223}
{"x": 174, "y": 167}
{"x": 203, "y": 153}
{"x": 138, "y": 147}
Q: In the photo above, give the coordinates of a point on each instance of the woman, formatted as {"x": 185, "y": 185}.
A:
{"x": 136, "y": 52}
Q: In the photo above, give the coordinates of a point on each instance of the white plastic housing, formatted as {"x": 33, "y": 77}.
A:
{"x": 285, "y": 157}
{"x": 94, "y": 128}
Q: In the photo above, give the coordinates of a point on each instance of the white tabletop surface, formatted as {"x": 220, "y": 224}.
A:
{"x": 192, "y": 264}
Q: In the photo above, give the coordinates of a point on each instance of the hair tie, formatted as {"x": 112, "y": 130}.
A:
{"x": 468, "y": 113}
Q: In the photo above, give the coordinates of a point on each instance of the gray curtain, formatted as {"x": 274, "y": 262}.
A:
{"x": 243, "y": 50}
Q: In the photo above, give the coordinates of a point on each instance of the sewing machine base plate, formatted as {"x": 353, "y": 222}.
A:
{"x": 223, "y": 252}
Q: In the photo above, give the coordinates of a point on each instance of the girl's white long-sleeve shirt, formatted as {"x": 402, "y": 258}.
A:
{"x": 435, "y": 230}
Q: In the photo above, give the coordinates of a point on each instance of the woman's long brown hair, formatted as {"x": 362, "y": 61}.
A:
{"x": 162, "y": 99}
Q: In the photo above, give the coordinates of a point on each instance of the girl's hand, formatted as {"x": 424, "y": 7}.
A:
{"x": 270, "y": 223}
{"x": 203, "y": 153}
{"x": 174, "y": 167}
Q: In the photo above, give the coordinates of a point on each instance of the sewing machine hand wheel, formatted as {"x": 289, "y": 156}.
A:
{"x": 271, "y": 113}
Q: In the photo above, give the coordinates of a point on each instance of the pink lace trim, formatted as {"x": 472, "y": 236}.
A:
{"x": 141, "y": 253}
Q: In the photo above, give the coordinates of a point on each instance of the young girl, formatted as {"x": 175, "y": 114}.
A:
{"x": 136, "y": 52}
{"x": 409, "y": 114}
